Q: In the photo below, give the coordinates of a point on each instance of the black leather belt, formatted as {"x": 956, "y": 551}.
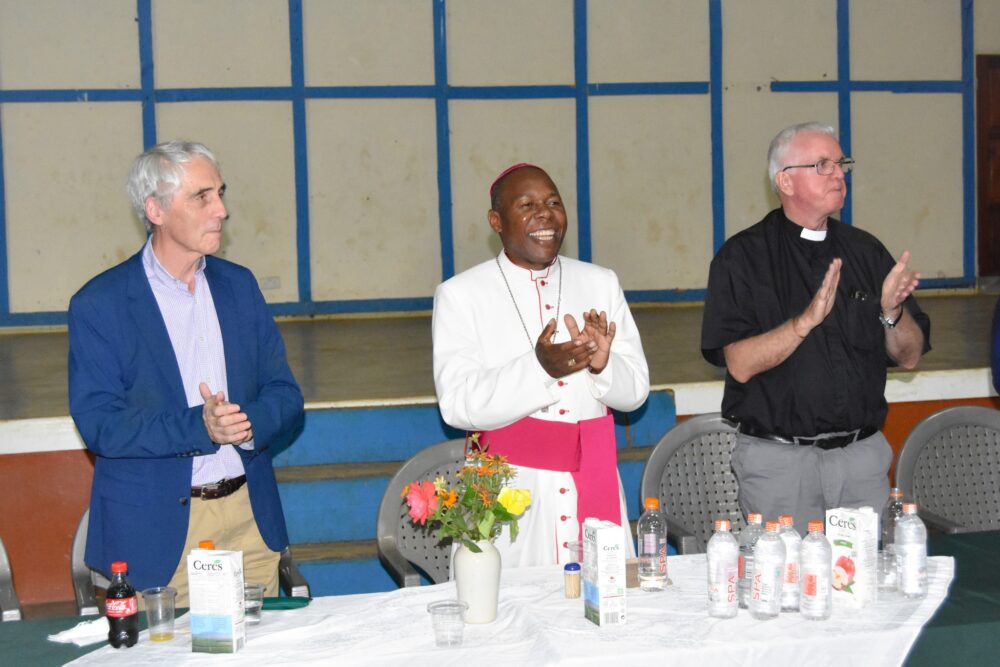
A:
{"x": 823, "y": 441}
{"x": 219, "y": 489}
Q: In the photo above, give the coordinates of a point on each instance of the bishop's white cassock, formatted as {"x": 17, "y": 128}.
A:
{"x": 487, "y": 376}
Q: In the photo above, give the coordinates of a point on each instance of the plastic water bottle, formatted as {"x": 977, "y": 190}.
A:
{"x": 652, "y": 531}
{"x": 768, "y": 568}
{"x": 790, "y": 578}
{"x": 723, "y": 572}
{"x": 748, "y": 540}
{"x": 911, "y": 553}
{"x": 890, "y": 514}
{"x": 816, "y": 562}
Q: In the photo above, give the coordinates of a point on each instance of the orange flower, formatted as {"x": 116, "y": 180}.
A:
{"x": 450, "y": 498}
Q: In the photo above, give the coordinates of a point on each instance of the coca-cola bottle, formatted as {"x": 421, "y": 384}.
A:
{"x": 122, "y": 608}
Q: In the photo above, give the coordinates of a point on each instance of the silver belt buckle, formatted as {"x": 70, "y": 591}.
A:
{"x": 213, "y": 486}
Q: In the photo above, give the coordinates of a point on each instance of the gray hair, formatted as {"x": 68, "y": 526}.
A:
{"x": 158, "y": 173}
{"x": 779, "y": 145}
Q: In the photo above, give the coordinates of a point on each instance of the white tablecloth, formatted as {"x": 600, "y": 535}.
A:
{"x": 536, "y": 625}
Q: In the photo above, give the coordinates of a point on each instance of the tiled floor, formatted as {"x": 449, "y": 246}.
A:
{"x": 375, "y": 358}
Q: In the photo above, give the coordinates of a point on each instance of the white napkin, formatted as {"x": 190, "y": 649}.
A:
{"x": 84, "y": 633}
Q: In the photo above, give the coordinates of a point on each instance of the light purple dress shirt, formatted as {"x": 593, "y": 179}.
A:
{"x": 193, "y": 326}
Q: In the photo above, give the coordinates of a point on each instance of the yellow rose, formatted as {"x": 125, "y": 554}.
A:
{"x": 514, "y": 501}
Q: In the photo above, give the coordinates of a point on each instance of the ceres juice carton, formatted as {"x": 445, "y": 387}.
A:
{"x": 215, "y": 583}
{"x": 853, "y": 534}
{"x": 603, "y": 572}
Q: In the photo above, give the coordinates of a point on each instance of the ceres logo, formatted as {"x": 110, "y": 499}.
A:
{"x": 208, "y": 566}
{"x": 842, "y": 523}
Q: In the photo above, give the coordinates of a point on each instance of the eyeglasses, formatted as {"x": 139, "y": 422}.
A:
{"x": 825, "y": 166}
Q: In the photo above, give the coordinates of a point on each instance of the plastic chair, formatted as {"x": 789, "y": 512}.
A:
{"x": 689, "y": 470}
{"x": 950, "y": 466}
{"x": 402, "y": 545}
{"x": 9, "y": 605}
{"x": 86, "y": 580}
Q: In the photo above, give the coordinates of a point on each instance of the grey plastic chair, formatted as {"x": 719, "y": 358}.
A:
{"x": 690, "y": 472}
{"x": 403, "y": 546}
{"x": 950, "y": 467}
{"x": 86, "y": 580}
{"x": 9, "y": 605}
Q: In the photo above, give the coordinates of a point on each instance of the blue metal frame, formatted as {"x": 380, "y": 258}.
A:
{"x": 581, "y": 92}
{"x": 844, "y": 86}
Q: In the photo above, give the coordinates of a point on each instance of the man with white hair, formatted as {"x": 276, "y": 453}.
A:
{"x": 806, "y": 314}
{"x": 178, "y": 384}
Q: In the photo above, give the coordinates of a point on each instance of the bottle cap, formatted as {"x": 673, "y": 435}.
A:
{"x": 206, "y": 544}
{"x": 816, "y": 526}
{"x": 895, "y": 493}
{"x": 754, "y": 517}
{"x": 572, "y": 567}
{"x": 786, "y": 520}
{"x": 652, "y": 503}
{"x": 722, "y": 525}
{"x": 772, "y": 526}
{"x": 909, "y": 508}
{"x": 119, "y": 566}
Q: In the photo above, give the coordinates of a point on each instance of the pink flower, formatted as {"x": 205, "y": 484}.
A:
{"x": 422, "y": 500}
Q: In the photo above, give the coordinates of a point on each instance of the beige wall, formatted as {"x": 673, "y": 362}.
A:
{"x": 373, "y": 164}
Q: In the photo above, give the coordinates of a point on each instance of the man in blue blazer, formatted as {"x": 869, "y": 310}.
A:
{"x": 178, "y": 383}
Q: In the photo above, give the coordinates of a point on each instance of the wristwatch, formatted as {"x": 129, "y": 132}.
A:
{"x": 888, "y": 322}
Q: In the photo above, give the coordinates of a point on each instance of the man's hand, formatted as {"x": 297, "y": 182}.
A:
{"x": 225, "y": 424}
{"x": 602, "y": 333}
{"x": 897, "y": 286}
{"x": 561, "y": 359}
{"x": 822, "y": 301}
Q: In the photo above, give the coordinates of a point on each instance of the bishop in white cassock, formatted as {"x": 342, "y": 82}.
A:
{"x": 512, "y": 360}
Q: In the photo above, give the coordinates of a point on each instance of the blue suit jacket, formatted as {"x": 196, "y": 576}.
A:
{"x": 128, "y": 402}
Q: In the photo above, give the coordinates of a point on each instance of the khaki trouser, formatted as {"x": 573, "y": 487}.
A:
{"x": 229, "y": 522}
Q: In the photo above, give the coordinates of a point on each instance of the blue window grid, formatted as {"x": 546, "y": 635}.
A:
{"x": 297, "y": 93}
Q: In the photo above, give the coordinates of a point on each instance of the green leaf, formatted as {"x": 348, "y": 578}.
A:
{"x": 486, "y": 525}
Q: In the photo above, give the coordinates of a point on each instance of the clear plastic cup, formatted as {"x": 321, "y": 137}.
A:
{"x": 448, "y": 619}
{"x": 159, "y": 603}
{"x": 253, "y": 601}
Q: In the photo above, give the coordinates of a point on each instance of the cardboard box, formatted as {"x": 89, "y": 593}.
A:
{"x": 215, "y": 583}
{"x": 853, "y": 534}
{"x": 603, "y": 572}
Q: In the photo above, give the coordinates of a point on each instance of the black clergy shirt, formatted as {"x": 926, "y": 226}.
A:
{"x": 835, "y": 380}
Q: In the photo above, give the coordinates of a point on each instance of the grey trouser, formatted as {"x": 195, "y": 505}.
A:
{"x": 777, "y": 478}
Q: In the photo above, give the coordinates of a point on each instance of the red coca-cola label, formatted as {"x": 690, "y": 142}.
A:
{"x": 121, "y": 607}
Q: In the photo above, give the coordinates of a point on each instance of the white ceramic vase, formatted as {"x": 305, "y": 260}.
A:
{"x": 477, "y": 576}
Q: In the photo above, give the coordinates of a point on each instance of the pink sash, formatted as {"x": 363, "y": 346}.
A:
{"x": 586, "y": 449}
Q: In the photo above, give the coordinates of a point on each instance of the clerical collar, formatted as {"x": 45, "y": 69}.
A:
{"x": 813, "y": 234}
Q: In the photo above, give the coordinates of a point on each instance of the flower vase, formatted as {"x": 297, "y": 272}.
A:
{"x": 477, "y": 576}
